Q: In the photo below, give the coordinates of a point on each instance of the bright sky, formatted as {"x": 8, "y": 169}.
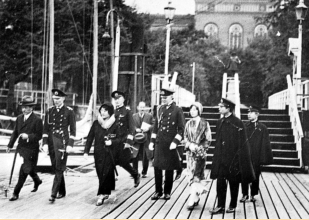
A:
{"x": 157, "y": 6}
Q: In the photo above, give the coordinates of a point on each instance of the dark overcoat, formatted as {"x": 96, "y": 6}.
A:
{"x": 169, "y": 125}
{"x": 59, "y": 131}
{"x": 232, "y": 150}
{"x": 261, "y": 152}
{"x": 125, "y": 126}
{"x": 137, "y": 124}
{"x": 28, "y": 149}
{"x": 103, "y": 155}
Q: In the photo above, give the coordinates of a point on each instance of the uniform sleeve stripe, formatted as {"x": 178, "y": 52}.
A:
{"x": 130, "y": 137}
{"x": 178, "y": 137}
{"x": 45, "y": 135}
{"x": 153, "y": 135}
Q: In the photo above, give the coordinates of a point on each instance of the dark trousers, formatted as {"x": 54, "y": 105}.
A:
{"x": 168, "y": 183}
{"x": 222, "y": 187}
{"x": 255, "y": 185}
{"x": 22, "y": 179}
{"x": 58, "y": 184}
{"x": 127, "y": 166}
{"x": 145, "y": 160}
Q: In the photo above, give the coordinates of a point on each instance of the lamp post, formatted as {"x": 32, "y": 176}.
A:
{"x": 301, "y": 10}
{"x": 193, "y": 76}
{"x": 169, "y": 12}
{"x": 115, "y": 53}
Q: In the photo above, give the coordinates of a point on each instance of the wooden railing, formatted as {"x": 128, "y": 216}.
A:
{"x": 279, "y": 100}
{"x": 294, "y": 118}
{"x": 305, "y": 98}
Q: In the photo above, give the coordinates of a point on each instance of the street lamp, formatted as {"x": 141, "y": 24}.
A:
{"x": 193, "y": 75}
{"x": 114, "y": 52}
{"x": 301, "y": 10}
{"x": 169, "y": 15}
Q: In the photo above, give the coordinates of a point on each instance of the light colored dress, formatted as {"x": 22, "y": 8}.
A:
{"x": 197, "y": 134}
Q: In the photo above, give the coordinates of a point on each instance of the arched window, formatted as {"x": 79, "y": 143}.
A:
{"x": 211, "y": 30}
{"x": 235, "y": 36}
{"x": 260, "y": 31}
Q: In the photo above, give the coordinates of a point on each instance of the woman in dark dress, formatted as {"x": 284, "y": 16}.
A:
{"x": 103, "y": 132}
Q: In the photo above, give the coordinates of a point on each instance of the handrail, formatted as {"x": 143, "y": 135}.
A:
{"x": 305, "y": 98}
{"x": 294, "y": 118}
{"x": 279, "y": 100}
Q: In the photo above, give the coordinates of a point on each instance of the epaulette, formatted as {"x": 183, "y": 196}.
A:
{"x": 69, "y": 108}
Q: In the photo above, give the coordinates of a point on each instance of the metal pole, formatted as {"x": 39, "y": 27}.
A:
{"x": 51, "y": 52}
{"x": 95, "y": 57}
{"x": 168, "y": 34}
{"x": 135, "y": 85}
{"x": 298, "y": 89}
{"x": 116, "y": 60}
{"x": 112, "y": 45}
{"x": 193, "y": 76}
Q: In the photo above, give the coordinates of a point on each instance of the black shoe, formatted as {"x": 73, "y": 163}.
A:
{"x": 252, "y": 199}
{"x": 167, "y": 196}
{"x": 14, "y": 197}
{"x": 178, "y": 174}
{"x": 230, "y": 210}
{"x": 144, "y": 175}
{"x": 217, "y": 210}
{"x": 60, "y": 196}
{"x": 196, "y": 203}
{"x": 36, "y": 186}
{"x": 137, "y": 180}
{"x": 244, "y": 198}
{"x": 156, "y": 196}
{"x": 52, "y": 199}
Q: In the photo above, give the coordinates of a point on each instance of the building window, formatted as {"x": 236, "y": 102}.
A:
{"x": 235, "y": 36}
{"x": 211, "y": 30}
{"x": 260, "y": 31}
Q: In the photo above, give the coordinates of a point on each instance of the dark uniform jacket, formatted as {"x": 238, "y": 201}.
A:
{"x": 125, "y": 126}
{"x": 59, "y": 131}
{"x": 137, "y": 124}
{"x": 261, "y": 152}
{"x": 28, "y": 149}
{"x": 232, "y": 150}
{"x": 169, "y": 127}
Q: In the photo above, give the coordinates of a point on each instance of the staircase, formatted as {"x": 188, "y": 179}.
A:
{"x": 281, "y": 137}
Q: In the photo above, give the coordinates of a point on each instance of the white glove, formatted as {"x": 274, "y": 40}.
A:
{"x": 151, "y": 146}
{"x": 192, "y": 147}
{"x": 85, "y": 156}
{"x": 70, "y": 149}
{"x": 8, "y": 150}
{"x": 24, "y": 136}
{"x": 173, "y": 146}
{"x": 44, "y": 148}
{"x": 108, "y": 143}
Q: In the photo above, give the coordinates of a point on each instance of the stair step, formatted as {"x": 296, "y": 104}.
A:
{"x": 280, "y": 131}
{"x": 283, "y": 146}
{"x": 281, "y": 138}
{"x": 264, "y": 117}
{"x": 285, "y": 153}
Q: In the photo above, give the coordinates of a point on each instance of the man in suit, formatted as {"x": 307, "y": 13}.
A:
{"x": 58, "y": 139}
{"x": 261, "y": 153}
{"x": 141, "y": 144}
{"x": 166, "y": 136}
{"x": 231, "y": 161}
{"x": 28, "y": 130}
{"x": 125, "y": 128}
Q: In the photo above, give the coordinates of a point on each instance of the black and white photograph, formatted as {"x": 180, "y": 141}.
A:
{"x": 154, "y": 109}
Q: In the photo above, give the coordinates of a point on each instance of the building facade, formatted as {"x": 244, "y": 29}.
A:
{"x": 232, "y": 21}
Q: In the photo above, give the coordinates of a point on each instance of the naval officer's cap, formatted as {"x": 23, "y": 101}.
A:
{"x": 253, "y": 108}
{"x": 58, "y": 93}
{"x": 227, "y": 103}
{"x": 117, "y": 94}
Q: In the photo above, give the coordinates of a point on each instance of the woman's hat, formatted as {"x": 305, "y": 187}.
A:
{"x": 140, "y": 137}
{"x": 27, "y": 101}
{"x": 199, "y": 107}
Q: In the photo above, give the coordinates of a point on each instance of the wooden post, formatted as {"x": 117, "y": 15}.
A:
{"x": 95, "y": 57}
{"x": 112, "y": 45}
{"x": 51, "y": 53}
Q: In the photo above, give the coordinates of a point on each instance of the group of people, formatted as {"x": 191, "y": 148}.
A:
{"x": 121, "y": 138}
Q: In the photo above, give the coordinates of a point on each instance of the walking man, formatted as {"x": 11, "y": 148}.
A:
{"x": 261, "y": 153}
{"x": 58, "y": 139}
{"x": 125, "y": 129}
{"x": 28, "y": 130}
{"x": 231, "y": 160}
{"x": 167, "y": 133}
{"x": 143, "y": 122}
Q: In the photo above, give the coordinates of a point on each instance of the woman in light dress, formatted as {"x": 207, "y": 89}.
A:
{"x": 197, "y": 138}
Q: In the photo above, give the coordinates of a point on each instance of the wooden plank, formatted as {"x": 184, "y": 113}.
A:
{"x": 227, "y": 204}
{"x": 271, "y": 183}
{"x": 269, "y": 207}
{"x": 240, "y": 209}
{"x": 250, "y": 210}
{"x": 260, "y": 210}
{"x": 286, "y": 200}
{"x": 180, "y": 197}
{"x": 211, "y": 202}
{"x": 303, "y": 179}
{"x": 295, "y": 195}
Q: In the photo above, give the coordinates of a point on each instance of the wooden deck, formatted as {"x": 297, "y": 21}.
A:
{"x": 282, "y": 195}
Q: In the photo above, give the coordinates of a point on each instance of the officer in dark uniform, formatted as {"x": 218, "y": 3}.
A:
{"x": 166, "y": 136}
{"x": 231, "y": 161}
{"x": 58, "y": 137}
{"x": 125, "y": 130}
{"x": 261, "y": 152}
{"x": 28, "y": 131}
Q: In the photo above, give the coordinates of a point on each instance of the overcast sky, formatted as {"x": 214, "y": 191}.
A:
{"x": 157, "y": 6}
